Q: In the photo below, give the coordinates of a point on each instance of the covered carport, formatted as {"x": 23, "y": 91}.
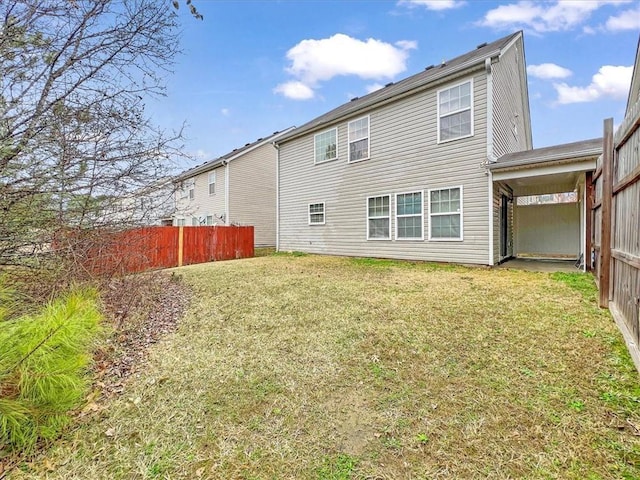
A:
{"x": 544, "y": 210}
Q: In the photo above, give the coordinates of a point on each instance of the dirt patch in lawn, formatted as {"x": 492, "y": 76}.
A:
{"x": 141, "y": 309}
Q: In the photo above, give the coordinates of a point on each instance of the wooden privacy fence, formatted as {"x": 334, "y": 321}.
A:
{"x": 616, "y": 226}
{"x": 148, "y": 248}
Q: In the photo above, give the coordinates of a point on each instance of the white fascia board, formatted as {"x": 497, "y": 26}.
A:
{"x": 582, "y": 166}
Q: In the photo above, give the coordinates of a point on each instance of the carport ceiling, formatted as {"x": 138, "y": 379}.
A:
{"x": 542, "y": 184}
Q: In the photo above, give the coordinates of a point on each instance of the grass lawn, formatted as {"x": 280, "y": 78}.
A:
{"x": 294, "y": 366}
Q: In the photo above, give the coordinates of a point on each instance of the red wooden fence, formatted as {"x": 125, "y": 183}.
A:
{"x": 148, "y": 248}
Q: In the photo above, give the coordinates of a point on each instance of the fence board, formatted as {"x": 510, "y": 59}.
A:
{"x": 619, "y": 186}
{"x": 148, "y": 248}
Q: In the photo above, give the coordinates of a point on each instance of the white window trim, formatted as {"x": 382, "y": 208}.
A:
{"x": 315, "y": 162}
{"x": 191, "y": 190}
{"x": 214, "y": 183}
{"x": 181, "y": 219}
{"x": 368, "y": 117}
{"x": 457, "y": 111}
{"x": 386, "y": 239}
{"x": 408, "y": 239}
{"x": 461, "y": 239}
{"x": 324, "y": 213}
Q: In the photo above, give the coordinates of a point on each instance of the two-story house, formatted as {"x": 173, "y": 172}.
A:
{"x": 405, "y": 172}
{"x": 401, "y": 172}
{"x": 238, "y": 188}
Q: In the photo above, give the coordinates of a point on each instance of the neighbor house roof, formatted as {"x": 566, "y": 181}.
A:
{"x": 235, "y": 153}
{"x": 566, "y": 152}
{"x": 431, "y": 75}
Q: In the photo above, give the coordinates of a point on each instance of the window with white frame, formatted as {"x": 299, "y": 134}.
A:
{"x": 316, "y": 213}
{"x": 191, "y": 188}
{"x": 445, "y": 214}
{"x": 212, "y": 183}
{"x": 209, "y": 220}
{"x": 379, "y": 218}
{"x": 455, "y": 112}
{"x": 195, "y": 222}
{"x": 409, "y": 216}
{"x": 180, "y": 222}
{"x": 359, "y": 139}
{"x": 325, "y": 145}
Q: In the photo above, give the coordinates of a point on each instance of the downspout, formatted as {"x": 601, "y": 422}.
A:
{"x": 227, "y": 218}
{"x": 490, "y": 157}
{"x": 277, "y": 147}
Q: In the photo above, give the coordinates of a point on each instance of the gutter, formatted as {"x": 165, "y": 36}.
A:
{"x": 541, "y": 162}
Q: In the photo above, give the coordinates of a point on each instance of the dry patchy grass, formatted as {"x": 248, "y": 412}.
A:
{"x": 330, "y": 368}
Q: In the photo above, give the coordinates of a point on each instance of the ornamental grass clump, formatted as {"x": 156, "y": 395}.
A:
{"x": 43, "y": 369}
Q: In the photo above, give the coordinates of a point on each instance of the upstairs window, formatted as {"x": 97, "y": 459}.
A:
{"x": 325, "y": 145}
{"x": 378, "y": 218}
{"x": 212, "y": 183}
{"x": 445, "y": 214}
{"x": 316, "y": 214}
{"x": 409, "y": 216}
{"x": 455, "y": 113}
{"x": 359, "y": 139}
{"x": 192, "y": 190}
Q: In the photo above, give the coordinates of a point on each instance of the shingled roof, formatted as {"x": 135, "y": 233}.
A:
{"x": 424, "y": 79}
{"x": 236, "y": 152}
{"x": 584, "y": 149}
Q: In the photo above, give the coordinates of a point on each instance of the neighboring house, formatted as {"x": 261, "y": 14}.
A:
{"x": 238, "y": 188}
{"x": 421, "y": 169}
{"x": 150, "y": 205}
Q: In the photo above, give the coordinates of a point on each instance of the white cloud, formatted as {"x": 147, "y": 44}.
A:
{"x": 225, "y": 111}
{"x": 407, "y": 44}
{"x": 610, "y": 82}
{"x": 547, "y": 71}
{"x": 433, "y": 4}
{"x": 627, "y": 20}
{"x": 202, "y": 154}
{"x": 295, "y": 90}
{"x": 544, "y": 17}
{"x": 316, "y": 61}
{"x": 373, "y": 87}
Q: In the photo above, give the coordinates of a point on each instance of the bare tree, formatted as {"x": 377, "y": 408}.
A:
{"x": 75, "y": 142}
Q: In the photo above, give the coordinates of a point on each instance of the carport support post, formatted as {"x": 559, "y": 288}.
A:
{"x": 607, "y": 196}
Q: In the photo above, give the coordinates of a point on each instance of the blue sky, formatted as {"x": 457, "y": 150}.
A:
{"x": 254, "y": 67}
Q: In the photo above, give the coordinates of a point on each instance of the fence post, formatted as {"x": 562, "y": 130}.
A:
{"x": 180, "y": 245}
{"x": 607, "y": 196}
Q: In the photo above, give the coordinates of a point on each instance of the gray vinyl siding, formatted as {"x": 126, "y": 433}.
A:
{"x": 509, "y": 134}
{"x": 404, "y": 157}
{"x": 203, "y": 204}
{"x": 252, "y": 193}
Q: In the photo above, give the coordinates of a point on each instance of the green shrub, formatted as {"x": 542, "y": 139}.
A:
{"x": 43, "y": 363}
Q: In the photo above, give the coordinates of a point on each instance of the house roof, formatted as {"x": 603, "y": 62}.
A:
{"x": 431, "y": 75}
{"x": 565, "y": 152}
{"x": 233, "y": 154}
